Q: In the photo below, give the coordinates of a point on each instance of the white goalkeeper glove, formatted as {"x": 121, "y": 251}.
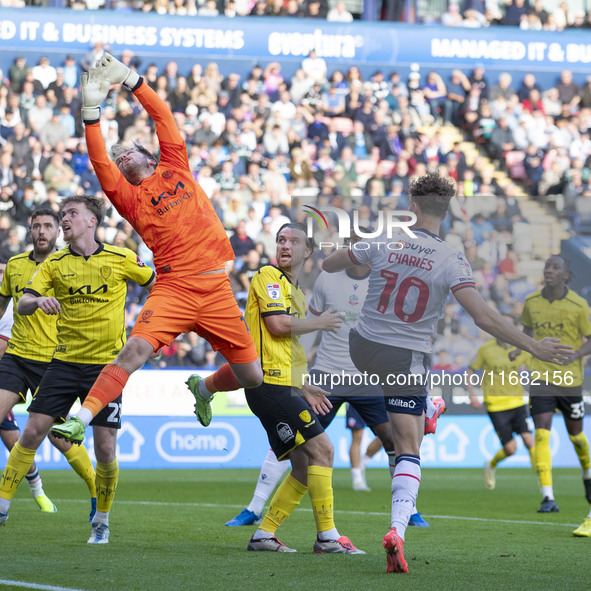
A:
{"x": 117, "y": 72}
{"x": 95, "y": 87}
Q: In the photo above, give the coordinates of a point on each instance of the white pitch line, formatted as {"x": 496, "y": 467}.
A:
{"x": 367, "y": 513}
{"x": 28, "y": 585}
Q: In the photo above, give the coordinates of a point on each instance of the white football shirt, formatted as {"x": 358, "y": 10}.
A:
{"x": 409, "y": 283}
{"x": 345, "y": 294}
{"x": 6, "y": 322}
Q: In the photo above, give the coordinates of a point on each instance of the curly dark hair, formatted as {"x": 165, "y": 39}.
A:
{"x": 432, "y": 193}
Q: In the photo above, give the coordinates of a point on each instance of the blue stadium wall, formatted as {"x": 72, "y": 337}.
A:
{"x": 159, "y": 430}
{"x": 239, "y": 43}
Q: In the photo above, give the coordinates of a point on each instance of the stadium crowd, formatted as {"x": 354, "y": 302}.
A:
{"x": 535, "y": 15}
{"x": 262, "y": 145}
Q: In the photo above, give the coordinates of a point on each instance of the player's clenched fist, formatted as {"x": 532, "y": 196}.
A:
{"x": 117, "y": 72}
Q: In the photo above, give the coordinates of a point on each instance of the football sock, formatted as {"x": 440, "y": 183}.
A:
{"x": 532, "y": 456}
{"x": 543, "y": 458}
{"x": 18, "y": 464}
{"x": 35, "y": 484}
{"x": 107, "y": 476}
{"x": 581, "y": 444}
{"x": 500, "y": 455}
{"x": 321, "y": 496}
{"x": 106, "y": 388}
{"x": 271, "y": 472}
{"x": 391, "y": 463}
{"x": 286, "y": 498}
{"x": 430, "y": 410}
{"x": 223, "y": 380}
{"x": 589, "y": 516}
{"x": 357, "y": 475}
{"x": 100, "y": 517}
{"x": 77, "y": 457}
{"x": 405, "y": 488}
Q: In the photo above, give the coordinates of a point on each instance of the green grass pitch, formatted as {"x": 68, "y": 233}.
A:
{"x": 168, "y": 534}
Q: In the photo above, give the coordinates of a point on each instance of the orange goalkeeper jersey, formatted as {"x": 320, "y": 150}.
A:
{"x": 169, "y": 210}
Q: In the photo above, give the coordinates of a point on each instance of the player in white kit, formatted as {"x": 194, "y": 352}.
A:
{"x": 333, "y": 371}
{"x": 409, "y": 283}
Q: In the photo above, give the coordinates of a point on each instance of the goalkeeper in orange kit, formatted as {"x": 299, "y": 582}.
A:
{"x": 176, "y": 220}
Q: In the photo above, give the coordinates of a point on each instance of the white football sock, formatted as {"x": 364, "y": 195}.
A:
{"x": 271, "y": 472}
{"x": 405, "y": 488}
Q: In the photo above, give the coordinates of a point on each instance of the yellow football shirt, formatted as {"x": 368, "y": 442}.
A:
{"x": 501, "y": 378}
{"x": 35, "y": 336}
{"x": 566, "y": 319}
{"x": 91, "y": 292}
{"x": 283, "y": 358}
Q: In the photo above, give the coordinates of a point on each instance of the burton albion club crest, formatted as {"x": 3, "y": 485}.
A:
{"x": 105, "y": 272}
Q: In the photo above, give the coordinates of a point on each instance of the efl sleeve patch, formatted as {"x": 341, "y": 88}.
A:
{"x": 274, "y": 291}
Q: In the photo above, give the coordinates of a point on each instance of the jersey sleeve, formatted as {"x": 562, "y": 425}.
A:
{"x": 585, "y": 323}
{"x": 5, "y": 285}
{"x": 525, "y": 316}
{"x": 173, "y": 151}
{"x": 42, "y": 281}
{"x": 459, "y": 273}
{"x": 271, "y": 296}
{"x": 360, "y": 252}
{"x": 478, "y": 362}
{"x": 318, "y": 300}
{"x": 113, "y": 183}
{"x": 136, "y": 270}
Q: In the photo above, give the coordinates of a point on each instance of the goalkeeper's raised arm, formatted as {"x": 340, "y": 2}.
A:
{"x": 117, "y": 73}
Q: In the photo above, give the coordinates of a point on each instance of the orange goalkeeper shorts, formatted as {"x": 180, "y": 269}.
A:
{"x": 201, "y": 303}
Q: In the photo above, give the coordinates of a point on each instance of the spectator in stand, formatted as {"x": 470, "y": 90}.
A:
{"x": 339, "y": 14}
{"x": 514, "y": 10}
{"x": 44, "y": 72}
{"x": 452, "y": 17}
{"x": 538, "y": 10}
{"x": 315, "y": 67}
{"x": 563, "y": 16}
{"x": 316, "y": 9}
{"x": 502, "y": 88}
{"x": 529, "y": 83}
{"x": 586, "y": 94}
{"x": 568, "y": 90}
{"x": 457, "y": 89}
{"x": 435, "y": 93}
{"x": 17, "y": 73}
{"x": 501, "y": 141}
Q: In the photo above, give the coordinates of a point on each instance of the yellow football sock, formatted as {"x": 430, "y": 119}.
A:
{"x": 543, "y": 457}
{"x": 78, "y": 458}
{"x": 500, "y": 455}
{"x": 107, "y": 476}
{"x": 284, "y": 501}
{"x": 18, "y": 464}
{"x": 581, "y": 444}
{"x": 321, "y": 496}
{"x": 532, "y": 457}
